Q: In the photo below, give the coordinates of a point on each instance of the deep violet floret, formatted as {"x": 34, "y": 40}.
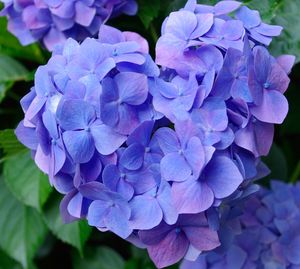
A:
{"x": 265, "y": 235}
{"x": 52, "y": 22}
{"x": 151, "y": 154}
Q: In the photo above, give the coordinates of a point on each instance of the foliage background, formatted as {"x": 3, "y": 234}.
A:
{"x": 31, "y": 232}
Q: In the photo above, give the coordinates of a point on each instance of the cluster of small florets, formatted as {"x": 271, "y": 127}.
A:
{"x": 52, "y": 22}
{"x": 266, "y": 235}
{"x": 148, "y": 153}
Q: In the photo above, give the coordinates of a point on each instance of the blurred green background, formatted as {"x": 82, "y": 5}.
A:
{"x": 31, "y": 232}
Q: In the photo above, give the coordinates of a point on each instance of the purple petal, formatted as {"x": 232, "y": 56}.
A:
{"x": 145, "y": 212}
{"x": 27, "y": 136}
{"x": 84, "y": 14}
{"x": 75, "y": 114}
{"x": 222, "y": 176}
{"x": 174, "y": 167}
{"x": 202, "y": 238}
{"x": 181, "y": 24}
{"x": 167, "y": 140}
{"x": 170, "y": 250}
{"x": 192, "y": 196}
{"x": 273, "y": 109}
{"x": 133, "y": 157}
{"x": 80, "y": 145}
{"x": 107, "y": 141}
{"x": 141, "y": 134}
{"x": 133, "y": 87}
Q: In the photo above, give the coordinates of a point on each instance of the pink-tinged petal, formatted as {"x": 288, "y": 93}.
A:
{"x": 205, "y": 22}
{"x": 107, "y": 141}
{"x": 256, "y": 137}
{"x": 170, "y": 250}
{"x": 286, "y": 62}
{"x": 80, "y": 145}
{"x": 155, "y": 235}
{"x": 222, "y": 176}
{"x": 53, "y": 38}
{"x": 278, "y": 79}
{"x": 181, "y": 24}
{"x": 192, "y": 196}
{"x": 174, "y": 167}
{"x": 131, "y": 36}
{"x": 145, "y": 212}
{"x": 110, "y": 35}
{"x": 273, "y": 109}
{"x": 202, "y": 238}
{"x": 84, "y": 15}
{"x": 133, "y": 87}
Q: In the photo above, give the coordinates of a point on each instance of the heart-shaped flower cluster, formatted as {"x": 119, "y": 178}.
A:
{"x": 149, "y": 154}
{"x": 265, "y": 235}
{"x": 53, "y": 21}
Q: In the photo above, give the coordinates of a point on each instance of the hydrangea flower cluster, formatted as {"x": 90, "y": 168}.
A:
{"x": 266, "y": 235}
{"x": 53, "y": 21}
{"x": 150, "y": 153}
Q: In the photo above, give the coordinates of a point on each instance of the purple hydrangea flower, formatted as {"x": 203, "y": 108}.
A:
{"x": 52, "y": 22}
{"x": 265, "y": 235}
{"x": 154, "y": 155}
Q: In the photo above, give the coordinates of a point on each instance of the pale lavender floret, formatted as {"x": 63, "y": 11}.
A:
{"x": 265, "y": 235}
{"x": 52, "y": 22}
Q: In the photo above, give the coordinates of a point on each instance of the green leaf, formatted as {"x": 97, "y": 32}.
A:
{"x": 76, "y": 234}
{"x": 22, "y": 228}
{"x": 10, "y": 144}
{"x": 11, "y": 46}
{"x": 7, "y": 263}
{"x": 98, "y": 258}
{"x": 277, "y": 163}
{"x": 148, "y": 11}
{"x": 26, "y": 181}
{"x": 10, "y": 72}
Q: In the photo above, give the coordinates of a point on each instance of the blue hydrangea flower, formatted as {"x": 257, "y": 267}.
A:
{"x": 52, "y": 22}
{"x": 152, "y": 154}
{"x": 265, "y": 235}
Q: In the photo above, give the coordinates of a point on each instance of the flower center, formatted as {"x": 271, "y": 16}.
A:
{"x": 267, "y": 85}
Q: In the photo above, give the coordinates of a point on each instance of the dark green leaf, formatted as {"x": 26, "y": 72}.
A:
{"x": 9, "y": 143}
{"x": 98, "y": 258}
{"x": 10, "y": 45}
{"x": 7, "y": 263}
{"x": 75, "y": 234}
{"x": 277, "y": 163}
{"x": 148, "y": 11}
{"x": 10, "y": 72}
{"x": 22, "y": 228}
{"x": 26, "y": 181}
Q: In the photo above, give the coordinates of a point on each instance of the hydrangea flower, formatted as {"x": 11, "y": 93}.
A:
{"x": 160, "y": 149}
{"x": 52, "y": 22}
{"x": 265, "y": 235}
